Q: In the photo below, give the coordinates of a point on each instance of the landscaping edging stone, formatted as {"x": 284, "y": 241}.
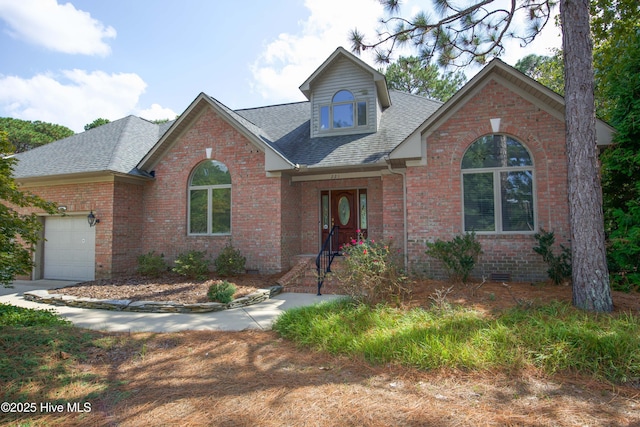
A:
{"x": 45, "y": 297}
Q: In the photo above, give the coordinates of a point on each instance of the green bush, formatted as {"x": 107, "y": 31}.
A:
{"x": 560, "y": 265}
{"x": 192, "y": 265}
{"x": 152, "y": 265}
{"x": 623, "y": 249}
{"x": 459, "y": 255}
{"x": 18, "y": 316}
{"x": 230, "y": 261}
{"x": 221, "y": 292}
{"x": 372, "y": 273}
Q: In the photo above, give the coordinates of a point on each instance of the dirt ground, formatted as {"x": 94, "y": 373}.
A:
{"x": 253, "y": 378}
{"x": 481, "y": 295}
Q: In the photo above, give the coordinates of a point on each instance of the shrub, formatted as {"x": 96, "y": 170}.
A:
{"x": 192, "y": 265}
{"x": 221, "y": 292}
{"x": 623, "y": 249}
{"x": 230, "y": 261}
{"x": 18, "y": 316}
{"x": 371, "y": 273}
{"x": 559, "y": 266}
{"x": 152, "y": 265}
{"x": 459, "y": 255}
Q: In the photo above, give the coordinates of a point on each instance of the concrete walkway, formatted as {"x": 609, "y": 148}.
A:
{"x": 257, "y": 316}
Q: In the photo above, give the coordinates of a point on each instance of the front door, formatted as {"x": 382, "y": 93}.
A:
{"x": 347, "y": 210}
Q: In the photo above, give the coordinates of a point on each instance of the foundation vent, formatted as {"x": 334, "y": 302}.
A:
{"x": 500, "y": 277}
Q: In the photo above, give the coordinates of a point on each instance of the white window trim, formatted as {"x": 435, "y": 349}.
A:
{"x": 331, "y": 105}
{"x": 497, "y": 199}
{"x": 497, "y": 192}
{"x": 209, "y": 189}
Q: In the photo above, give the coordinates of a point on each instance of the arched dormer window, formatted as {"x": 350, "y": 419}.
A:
{"x": 210, "y": 199}
{"x": 344, "y": 112}
{"x": 498, "y": 186}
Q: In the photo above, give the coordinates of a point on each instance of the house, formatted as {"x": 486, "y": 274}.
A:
{"x": 274, "y": 180}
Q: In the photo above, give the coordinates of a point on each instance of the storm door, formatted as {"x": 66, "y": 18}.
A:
{"x": 348, "y": 210}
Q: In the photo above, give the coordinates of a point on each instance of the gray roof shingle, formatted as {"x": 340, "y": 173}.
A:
{"x": 289, "y": 124}
{"x": 115, "y": 147}
{"x": 119, "y": 146}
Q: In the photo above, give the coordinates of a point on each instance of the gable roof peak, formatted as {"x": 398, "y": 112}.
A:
{"x": 378, "y": 78}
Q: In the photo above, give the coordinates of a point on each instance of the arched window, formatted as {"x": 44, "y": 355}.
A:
{"x": 498, "y": 186}
{"x": 344, "y": 112}
{"x": 210, "y": 199}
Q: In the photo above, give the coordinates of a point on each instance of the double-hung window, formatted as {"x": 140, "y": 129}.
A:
{"x": 210, "y": 199}
{"x": 344, "y": 112}
{"x": 498, "y": 186}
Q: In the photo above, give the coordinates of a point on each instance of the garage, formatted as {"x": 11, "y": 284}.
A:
{"x": 69, "y": 248}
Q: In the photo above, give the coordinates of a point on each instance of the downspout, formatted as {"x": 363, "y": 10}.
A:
{"x": 405, "y": 242}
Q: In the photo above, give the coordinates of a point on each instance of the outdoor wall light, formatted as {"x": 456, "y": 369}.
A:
{"x": 91, "y": 218}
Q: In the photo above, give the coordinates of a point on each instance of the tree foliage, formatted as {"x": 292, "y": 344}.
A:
{"x": 621, "y": 165}
{"x": 25, "y": 135}
{"x": 547, "y": 70}
{"x": 97, "y": 122}
{"x": 458, "y": 33}
{"x": 18, "y": 232}
{"x": 410, "y": 74}
{"x": 462, "y": 33}
{"x": 614, "y": 25}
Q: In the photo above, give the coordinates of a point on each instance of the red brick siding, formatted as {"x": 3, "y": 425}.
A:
{"x": 393, "y": 210}
{"x": 291, "y": 222}
{"x": 256, "y": 199}
{"x": 80, "y": 199}
{"x": 435, "y": 204}
{"x": 128, "y": 236}
{"x": 274, "y": 219}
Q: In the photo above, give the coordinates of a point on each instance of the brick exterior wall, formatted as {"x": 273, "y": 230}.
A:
{"x": 79, "y": 199}
{"x": 127, "y": 229}
{"x": 274, "y": 219}
{"x": 256, "y": 213}
{"x": 435, "y": 205}
{"x": 291, "y": 220}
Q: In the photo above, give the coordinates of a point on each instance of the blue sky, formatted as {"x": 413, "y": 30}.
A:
{"x": 72, "y": 61}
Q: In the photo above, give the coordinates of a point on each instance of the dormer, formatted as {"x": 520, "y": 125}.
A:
{"x": 347, "y": 96}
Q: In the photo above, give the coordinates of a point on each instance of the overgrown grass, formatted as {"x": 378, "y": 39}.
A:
{"x": 554, "y": 337}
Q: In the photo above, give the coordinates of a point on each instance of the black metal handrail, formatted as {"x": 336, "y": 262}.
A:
{"x": 328, "y": 252}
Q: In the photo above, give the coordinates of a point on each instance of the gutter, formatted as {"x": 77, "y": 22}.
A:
{"x": 405, "y": 242}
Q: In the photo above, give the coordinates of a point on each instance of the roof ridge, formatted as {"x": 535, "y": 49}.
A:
{"x": 426, "y": 98}
{"x": 122, "y": 143}
{"x": 258, "y": 131}
{"x": 272, "y": 105}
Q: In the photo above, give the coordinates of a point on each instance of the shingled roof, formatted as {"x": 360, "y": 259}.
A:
{"x": 119, "y": 146}
{"x": 115, "y": 147}
{"x": 289, "y": 127}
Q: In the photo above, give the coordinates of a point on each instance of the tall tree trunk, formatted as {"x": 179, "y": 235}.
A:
{"x": 591, "y": 289}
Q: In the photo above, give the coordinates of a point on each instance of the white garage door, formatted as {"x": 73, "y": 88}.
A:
{"x": 69, "y": 248}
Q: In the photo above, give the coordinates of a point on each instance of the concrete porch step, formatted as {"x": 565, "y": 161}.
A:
{"x": 303, "y": 276}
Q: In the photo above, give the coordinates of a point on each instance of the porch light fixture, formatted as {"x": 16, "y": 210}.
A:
{"x": 91, "y": 218}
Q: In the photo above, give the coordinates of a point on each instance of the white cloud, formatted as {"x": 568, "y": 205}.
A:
{"x": 157, "y": 112}
{"x": 288, "y": 61}
{"x": 73, "y": 98}
{"x": 57, "y": 27}
{"x": 550, "y": 38}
